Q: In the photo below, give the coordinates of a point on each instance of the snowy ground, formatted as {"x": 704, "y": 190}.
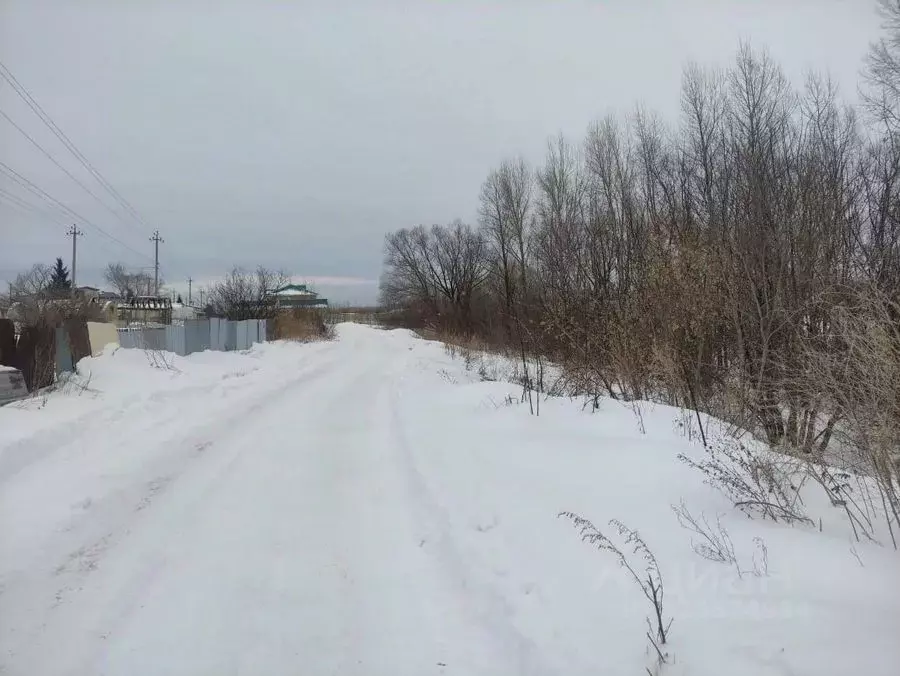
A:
{"x": 367, "y": 506}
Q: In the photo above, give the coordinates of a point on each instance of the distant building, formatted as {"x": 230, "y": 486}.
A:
{"x": 94, "y": 295}
{"x": 294, "y": 296}
{"x": 145, "y": 310}
{"x": 182, "y": 312}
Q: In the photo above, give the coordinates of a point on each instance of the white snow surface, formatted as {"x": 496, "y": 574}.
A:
{"x": 367, "y": 506}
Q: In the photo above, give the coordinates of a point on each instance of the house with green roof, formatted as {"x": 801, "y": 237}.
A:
{"x": 293, "y": 296}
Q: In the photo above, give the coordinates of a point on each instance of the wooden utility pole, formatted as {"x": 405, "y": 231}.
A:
{"x": 74, "y": 233}
{"x": 190, "y": 281}
{"x": 156, "y": 239}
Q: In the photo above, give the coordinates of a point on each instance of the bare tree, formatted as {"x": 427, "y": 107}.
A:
{"x": 883, "y": 69}
{"x": 30, "y": 297}
{"x": 438, "y": 270}
{"x": 247, "y": 295}
{"x": 129, "y": 284}
{"x": 504, "y": 214}
{"x": 408, "y": 279}
{"x": 459, "y": 264}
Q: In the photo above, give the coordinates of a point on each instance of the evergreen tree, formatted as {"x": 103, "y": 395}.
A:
{"x": 179, "y": 300}
{"x": 59, "y": 278}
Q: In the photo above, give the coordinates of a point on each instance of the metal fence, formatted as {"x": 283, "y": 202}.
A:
{"x": 196, "y": 335}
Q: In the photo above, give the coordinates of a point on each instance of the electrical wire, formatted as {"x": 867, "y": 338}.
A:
{"x": 61, "y": 167}
{"x": 67, "y": 211}
{"x": 46, "y": 218}
{"x": 27, "y": 207}
{"x": 36, "y": 108}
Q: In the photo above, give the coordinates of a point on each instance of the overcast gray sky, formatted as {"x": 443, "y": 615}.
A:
{"x": 295, "y": 134}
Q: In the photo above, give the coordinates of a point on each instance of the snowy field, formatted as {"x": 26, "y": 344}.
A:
{"x": 369, "y": 506}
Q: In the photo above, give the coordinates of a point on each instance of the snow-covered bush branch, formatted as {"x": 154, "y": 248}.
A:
{"x": 757, "y": 482}
{"x": 642, "y": 567}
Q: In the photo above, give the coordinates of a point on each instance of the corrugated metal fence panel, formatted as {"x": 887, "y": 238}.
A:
{"x": 191, "y": 339}
{"x": 64, "y": 361}
{"x": 154, "y": 339}
{"x": 197, "y": 335}
{"x": 217, "y": 333}
{"x": 213, "y": 333}
{"x": 230, "y": 336}
{"x": 175, "y": 340}
{"x": 250, "y": 329}
{"x": 128, "y": 339}
{"x": 205, "y": 335}
{"x": 241, "y": 338}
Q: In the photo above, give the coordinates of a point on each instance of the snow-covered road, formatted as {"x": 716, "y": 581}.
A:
{"x": 284, "y": 533}
{"x": 344, "y": 508}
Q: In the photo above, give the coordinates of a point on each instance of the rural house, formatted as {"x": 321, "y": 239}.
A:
{"x": 294, "y": 296}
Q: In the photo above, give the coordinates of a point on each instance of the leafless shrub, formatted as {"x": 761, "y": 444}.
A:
{"x": 760, "y": 558}
{"x": 715, "y": 544}
{"x": 446, "y": 375}
{"x": 508, "y": 400}
{"x": 159, "y": 359}
{"x": 639, "y": 415}
{"x": 74, "y": 383}
{"x": 856, "y": 556}
{"x": 477, "y": 356}
{"x": 156, "y": 357}
{"x": 848, "y": 492}
{"x": 853, "y": 373}
{"x": 758, "y": 483}
{"x": 302, "y": 325}
{"x": 641, "y": 565}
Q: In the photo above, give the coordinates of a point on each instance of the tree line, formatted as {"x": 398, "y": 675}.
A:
{"x": 744, "y": 262}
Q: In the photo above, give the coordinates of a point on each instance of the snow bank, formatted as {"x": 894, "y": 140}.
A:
{"x": 137, "y": 385}
{"x": 826, "y": 605}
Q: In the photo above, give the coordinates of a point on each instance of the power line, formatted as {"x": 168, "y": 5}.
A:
{"x": 47, "y": 218}
{"x": 56, "y": 162}
{"x": 27, "y": 206}
{"x": 69, "y": 212}
{"x": 36, "y": 108}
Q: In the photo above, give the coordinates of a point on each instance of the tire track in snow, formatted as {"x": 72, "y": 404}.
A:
{"x": 309, "y": 474}
{"x": 104, "y": 523}
{"x": 486, "y": 606}
{"x": 237, "y": 467}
